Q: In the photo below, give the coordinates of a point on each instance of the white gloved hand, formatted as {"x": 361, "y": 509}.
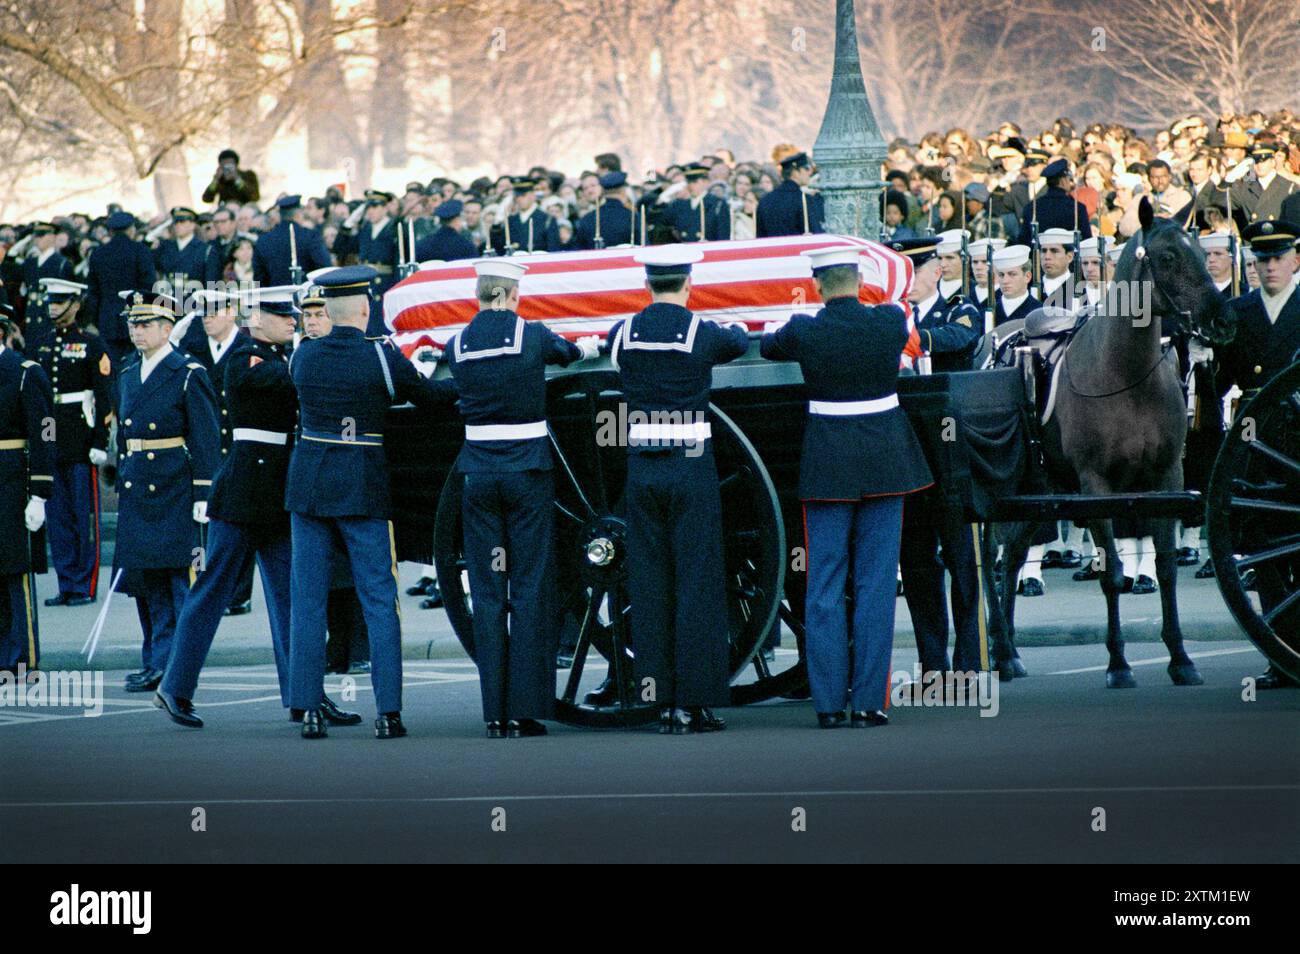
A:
{"x": 34, "y": 515}
{"x": 425, "y": 360}
{"x": 98, "y": 457}
{"x": 200, "y": 511}
{"x": 1199, "y": 353}
{"x": 1239, "y": 170}
{"x": 590, "y": 346}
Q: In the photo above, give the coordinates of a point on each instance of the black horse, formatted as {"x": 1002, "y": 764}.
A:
{"x": 1118, "y": 426}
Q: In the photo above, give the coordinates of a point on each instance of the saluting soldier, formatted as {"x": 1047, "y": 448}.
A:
{"x": 498, "y": 362}
{"x": 610, "y": 223}
{"x": 338, "y": 493}
{"x": 26, "y": 478}
{"x": 529, "y": 229}
{"x": 1267, "y": 340}
{"x": 168, "y": 448}
{"x": 700, "y": 216}
{"x": 45, "y": 262}
{"x": 182, "y": 259}
{"x": 791, "y": 208}
{"x": 1055, "y": 207}
{"x": 665, "y": 355}
{"x": 291, "y": 243}
{"x": 80, "y": 374}
{"x": 120, "y": 264}
{"x": 246, "y": 517}
{"x": 447, "y": 244}
{"x": 1014, "y": 299}
{"x": 860, "y": 457}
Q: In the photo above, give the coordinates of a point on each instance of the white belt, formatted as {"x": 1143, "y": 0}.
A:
{"x": 699, "y": 431}
{"x": 262, "y": 437}
{"x": 852, "y": 408}
{"x": 504, "y": 432}
{"x": 73, "y": 397}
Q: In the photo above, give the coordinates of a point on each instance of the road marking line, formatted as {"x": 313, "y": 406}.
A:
{"x": 1154, "y": 662}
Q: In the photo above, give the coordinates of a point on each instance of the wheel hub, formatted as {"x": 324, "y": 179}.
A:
{"x": 602, "y": 546}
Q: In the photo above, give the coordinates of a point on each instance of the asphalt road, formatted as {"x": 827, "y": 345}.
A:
{"x": 1181, "y": 774}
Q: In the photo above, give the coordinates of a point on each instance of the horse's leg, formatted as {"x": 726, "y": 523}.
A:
{"x": 1181, "y": 668}
{"x": 999, "y": 644}
{"x": 1118, "y": 673}
{"x": 1016, "y": 551}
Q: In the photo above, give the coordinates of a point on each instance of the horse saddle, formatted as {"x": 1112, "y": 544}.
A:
{"x": 1049, "y": 331}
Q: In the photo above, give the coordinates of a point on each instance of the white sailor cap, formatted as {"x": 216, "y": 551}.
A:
{"x": 1127, "y": 180}
{"x": 499, "y": 267}
{"x": 276, "y": 300}
{"x": 1216, "y": 240}
{"x": 668, "y": 259}
{"x": 1247, "y": 253}
{"x": 950, "y": 241}
{"x": 1011, "y": 256}
{"x": 980, "y": 249}
{"x": 833, "y": 256}
{"x": 1114, "y": 252}
{"x": 61, "y": 288}
{"x": 211, "y": 296}
{"x": 1062, "y": 237}
{"x": 1088, "y": 248}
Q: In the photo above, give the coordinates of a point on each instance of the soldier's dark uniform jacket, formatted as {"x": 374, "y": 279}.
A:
{"x": 949, "y": 331}
{"x": 1021, "y": 311}
{"x": 168, "y": 448}
{"x": 1259, "y": 204}
{"x": 534, "y": 232}
{"x": 195, "y": 344}
{"x": 176, "y": 264}
{"x": 444, "y": 245}
{"x": 710, "y": 211}
{"x": 1261, "y": 349}
{"x": 849, "y": 353}
{"x": 54, "y": 266}
{"x": 118, "y": 265}
{"x": 273, "y": 258}
{"x": 781, "y": 211}
{"x": 26, "y": 456}
{"x": 380, "y": 253}
{"x": 338, "y": 467}
{"x": 1056, "y": 209}
{"x": 615, "y": 225}
{"x": 79, "y": 373}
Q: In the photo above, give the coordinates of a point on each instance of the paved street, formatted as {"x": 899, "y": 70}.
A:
{"x": 1193, "y": 774}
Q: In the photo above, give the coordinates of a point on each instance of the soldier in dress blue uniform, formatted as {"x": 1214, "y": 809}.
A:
{"x": 665, "y": 356}
{"x": 1267, "y": 341}
{"x": 182, "y": 260}
{"x": 446, "y": 244}
{"x": 288, "y": 244}
{"x": 790, "y": 209}
{"x": 26, "y": 478}
{"x": 377, "y": 247}
{"x": 46, "y": 262}
{"x": 338, "y": 495}
{"x": 80, "y": 374}
{"x": 120, "y": 264}
{"x": 498, "y": 363}
{"x": 701, "y": 216}
{"x": 1015, "y": 300}
{"x": 1055, "y": 207}
{"x": 610, "y": 223}
{"x": 860, "y": 457}
{"x": 1260, "y": 195}
{"x": 528, "y": 228}
{"x": 246, "y": 516}
{"x": 934, "y": 538}
{"x": 168, "y": 450}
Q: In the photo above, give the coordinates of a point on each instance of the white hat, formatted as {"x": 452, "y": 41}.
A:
{"x": 499, "y": 267}
{"x": 833, "y": 255}
{"x": 1062, "y": 237}
{"x": 1127, "y": 180}
{"x": 1216, "y": 240}
{"x": 316, "y": 273}
{"x": 61, "y": 286}
{"x": 1115, "y": 252}
{"x": 1248, "y": 253}
{"x": 1011, "y": 256}
{"x": 210, "y": 295}
{"x": 668, "y": 259}
{"x": 980, "y": 249}
{"x": 274, "y": 295}
{"x": 1088, "y": 248}
{"x": 950, "y": 241}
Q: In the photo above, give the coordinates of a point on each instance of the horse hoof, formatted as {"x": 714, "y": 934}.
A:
{"x": 1018, "y": 668}
{"x": 1185, "y": 674}
{"x": 1120, "y": 679}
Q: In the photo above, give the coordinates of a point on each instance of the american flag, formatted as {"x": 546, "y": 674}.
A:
{"x": 583, "y": 293}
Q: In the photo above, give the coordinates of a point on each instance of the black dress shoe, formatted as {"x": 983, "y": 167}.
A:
{"x": 180, "y": 710}
{"x": 421, "y": 587}
{"x": 496, "y": 730}
{"x": 148, "y": 683}
{"x": 703, "y": 720}
{"x": 1051, "y": 560}
{"x": 1188, "y": 556}
{"x": 1143, "y": 585}
{"x": 606, "y": 694}
{"x": 434, "y": 597}
{"x": 313, "y": 725}
{"x": 830, "y": 720}
{"x": 1275, "y": 678}
{"x": 867, "y": 720}
{"x": 1206, "y": 572}
{"x": 524, "y": 729}
{"x": 336, "y": 716}
{"x": 678, "y": 722}
{"x": 1089, "y": 572}
{"x": 389, "y": 726}
{"x": 240, "y": 609}
{"x": 359, "y": 668}
{"x": 1071, "y": 560}
{"x": 57, "y": 600}
{"x": 137, "y": 676}
{"x": 1030, "y": 587}
{"x": 78, "y": 600}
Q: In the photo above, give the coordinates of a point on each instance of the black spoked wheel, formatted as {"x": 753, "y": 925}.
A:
{"x": 591, "y": 549}
{"x": 1254, "y": 520}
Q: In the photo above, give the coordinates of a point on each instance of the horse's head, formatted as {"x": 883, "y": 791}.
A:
{"x": 1172, "y": 260}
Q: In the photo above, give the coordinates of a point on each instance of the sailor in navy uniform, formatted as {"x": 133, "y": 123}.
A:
{"x": 182, "y": 259}
{"x": 168, "y": 450}
{"x": 80, "y": 374}
{"x": 610, "y": 223}
{"x": 26, "y": 478}
{"x": 528, "y": 228}
{"x": 120, "y": 264}
{"x": 247, "y": 521}
{"x": 1014, "y": 299}
{"x": 860, "y": 457}
{"x": 934, "y": 538}
{"x": 45, "y": 262}
{"x": 498, "y": 362}
{"x": 790, "y": 208}
{"x": 447, "y": 244}
{"x": 1260, "y": 195}
{"x": 337, "y": 493}
{"x": 665, "y": 356}
{"x": 1056, "y": 254}
{"x": 1055, "y": 207}
{"x": 980, "y": 269}
{"x": 1267, "y": 340}
{"x": 701, "y": 215}
{"x": 291, "y": 243}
